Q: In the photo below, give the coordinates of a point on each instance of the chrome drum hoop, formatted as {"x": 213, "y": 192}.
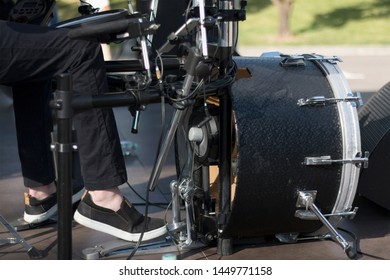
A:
{"x": 351, "y": 139}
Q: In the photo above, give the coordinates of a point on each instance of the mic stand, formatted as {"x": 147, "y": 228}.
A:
{"x": 65, "y": 105}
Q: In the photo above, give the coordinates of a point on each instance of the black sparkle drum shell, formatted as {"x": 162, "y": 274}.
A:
{"x": 274, "y": 135}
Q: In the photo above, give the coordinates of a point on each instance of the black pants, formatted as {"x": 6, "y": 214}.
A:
{"x": 30, "y": 56}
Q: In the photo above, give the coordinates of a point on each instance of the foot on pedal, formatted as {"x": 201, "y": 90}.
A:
{"x": 38, "y": 211}
{"x": 126, "y": 223}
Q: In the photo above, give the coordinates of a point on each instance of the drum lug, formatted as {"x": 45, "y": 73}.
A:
{"x": 299, "y": 59}
{"x": 292, "y": 60}
{"x": 306, "y": 199}
{"x": 327, "y": 160}
{"x": 355, "y": 99}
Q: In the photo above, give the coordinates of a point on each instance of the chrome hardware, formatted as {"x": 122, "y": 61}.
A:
{"x": 292, "y": 60}
{"x": 287, "y": 237}
{"x": 306, "y": 199}
{"x": 327, "y": 160}
{"x": 322, "y": 101}
{"x": 184, "y": 190}
{"x": 183, "y": 30}
{"x": 177, "y": 224}
{"x": 299, "y": 59}
{"x": 307, "y": 215}
{"x": 63, "y": 148}
{"x": 203, "y": 32}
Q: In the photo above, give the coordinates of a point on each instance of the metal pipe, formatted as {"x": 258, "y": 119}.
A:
{"x": 64, "y": 150}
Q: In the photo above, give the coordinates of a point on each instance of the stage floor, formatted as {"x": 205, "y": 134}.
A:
{"x": 369, "y": 229}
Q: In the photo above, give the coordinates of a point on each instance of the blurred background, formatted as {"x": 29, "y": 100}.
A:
{"x": 356, "y": 30}
{"x": 299, "y": 22}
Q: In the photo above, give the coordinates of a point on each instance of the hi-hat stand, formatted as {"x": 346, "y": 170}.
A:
{"x": 65, "y": 105}
{"x": 62, "y": 104}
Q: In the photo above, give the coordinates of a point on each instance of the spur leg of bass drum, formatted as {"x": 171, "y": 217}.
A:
{"x": 306, "y": 199}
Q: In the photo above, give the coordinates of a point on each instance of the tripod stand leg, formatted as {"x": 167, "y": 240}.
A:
{"x": 31, "y": 251}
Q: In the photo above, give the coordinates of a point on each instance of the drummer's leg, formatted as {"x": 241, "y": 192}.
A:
{"x": 31, "y": 56}
{"x": 36, "y": 54}
{"x": 32, "y": 53}
{"x": 33, "y": 126}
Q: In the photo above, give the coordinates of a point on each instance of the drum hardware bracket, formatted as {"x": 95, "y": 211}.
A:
{"x": 292, "y": 60}
{"x": 356, "y": 100}
{"x": 299, "y": 59}
{"x": 118, "y": 247}
{"x": 63, "y": 148}
{"x": 175, "y": 37}
{"x": 185, "y": 191}
{"x": 327, "y": 160}
{"x": 308, "y": 215}
{"x": 330, "y": 59}
{"x": 293, "y": 237}
{"x": 288, "y": 238}
{"x": 306, "y": 199}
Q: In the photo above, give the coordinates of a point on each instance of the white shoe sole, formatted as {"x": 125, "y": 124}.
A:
{"x": 132, "y": 237}
{"x": 36, "y": 219}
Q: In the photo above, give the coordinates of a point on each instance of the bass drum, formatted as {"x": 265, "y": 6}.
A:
{"x": 294, "y": 132}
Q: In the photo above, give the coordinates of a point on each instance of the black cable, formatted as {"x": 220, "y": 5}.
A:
{"x": 148, "y": 191}
{"x": 146, "y": 213}
{"x": 190, "y": 95}
{"x": 144, "y": 199}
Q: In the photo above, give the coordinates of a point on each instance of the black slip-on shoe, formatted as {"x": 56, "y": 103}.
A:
{"x": 37, "y": 211}
{"x": 126, "y": 223}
